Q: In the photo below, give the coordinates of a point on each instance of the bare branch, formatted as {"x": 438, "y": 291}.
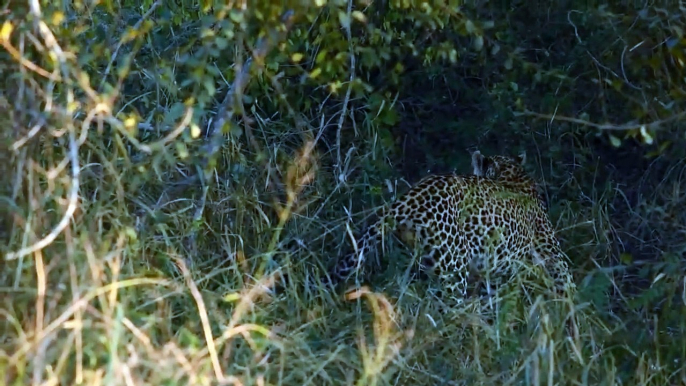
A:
{"x": 71, "y": 207}
{"x": 607, "y": 126}
{"x": 73, "y": 198}
{"x": 339, "y": 162}
{"x": 136, "y": 26}
{"x": 226, "y": 110}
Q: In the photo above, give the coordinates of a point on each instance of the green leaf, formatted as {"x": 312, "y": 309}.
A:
{"x": 616, "y": 142}
{"x": 478, "y": 42}
{"x": 344, "y": 19}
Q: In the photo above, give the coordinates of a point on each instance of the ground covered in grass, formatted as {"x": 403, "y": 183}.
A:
{"x": 165, "y": 165}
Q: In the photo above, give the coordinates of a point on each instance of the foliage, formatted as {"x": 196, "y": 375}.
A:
{"x": 167, "y": 162}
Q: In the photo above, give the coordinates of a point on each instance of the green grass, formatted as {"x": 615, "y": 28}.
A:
{"x": 112, "y": 300}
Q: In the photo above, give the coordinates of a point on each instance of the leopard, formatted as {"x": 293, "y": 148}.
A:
{"x": 488, "y": 222}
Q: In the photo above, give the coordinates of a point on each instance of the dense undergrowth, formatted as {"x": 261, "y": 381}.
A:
{"x": 164, "y": 164}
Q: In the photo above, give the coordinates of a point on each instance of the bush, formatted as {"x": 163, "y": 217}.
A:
{"x": 169, "y": 162}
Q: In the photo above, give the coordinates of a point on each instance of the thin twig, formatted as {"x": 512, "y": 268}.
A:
{"x": 226, "y": 110}
{"x": 607, "y": 126}
{"x": 339, "y": 162}
{"x": 136, "y": 26}
{"x": 54, "y": 47}
{"x": 71, "y": 207}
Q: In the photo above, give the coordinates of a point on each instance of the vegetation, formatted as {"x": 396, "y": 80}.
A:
{"x": 165, "y": 163}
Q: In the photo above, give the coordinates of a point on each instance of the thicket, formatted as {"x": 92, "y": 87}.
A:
{"x": 164, "y": 164}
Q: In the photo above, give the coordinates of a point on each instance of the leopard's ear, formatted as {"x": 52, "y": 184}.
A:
{"x": 521, "y": 158}
{"x": 478, "y": 164}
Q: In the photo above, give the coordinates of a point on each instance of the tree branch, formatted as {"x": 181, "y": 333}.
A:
{"x": 606, "y": 126}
